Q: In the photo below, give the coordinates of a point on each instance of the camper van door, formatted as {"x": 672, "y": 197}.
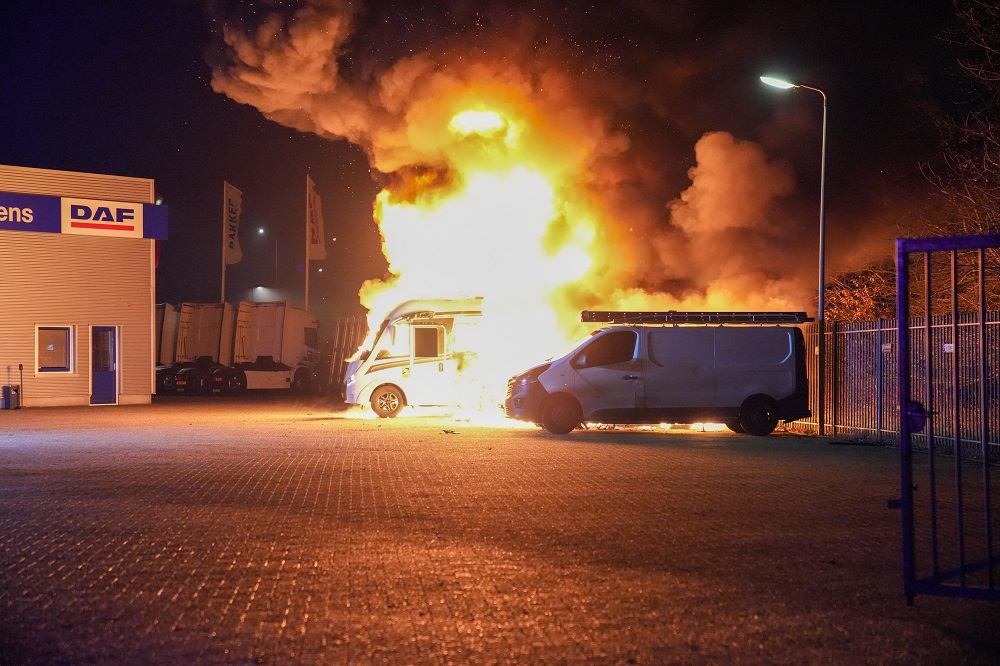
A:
{"x": 433, "y": 374}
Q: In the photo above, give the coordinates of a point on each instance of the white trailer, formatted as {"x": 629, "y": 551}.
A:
{"x": 204, "y": 342}
{"x": 276, "y": 346}
{"x": 166, "y": 334}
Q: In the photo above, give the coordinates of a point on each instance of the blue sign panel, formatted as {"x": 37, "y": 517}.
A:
{"x": 154, "y": 221}
{"x": 29, "y": 212}
{"x": 33, "y": 212}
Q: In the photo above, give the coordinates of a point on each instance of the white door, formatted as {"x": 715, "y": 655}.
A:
{"x": 432, "y": 374}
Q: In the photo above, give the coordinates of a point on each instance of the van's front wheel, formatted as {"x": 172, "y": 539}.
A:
{"x": 561, "y": 414}
{"x": 759, "y": 415}
{"x": 387, "y": 401}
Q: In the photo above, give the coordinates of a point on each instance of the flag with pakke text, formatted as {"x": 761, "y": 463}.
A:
{"x": 232, "y": 209}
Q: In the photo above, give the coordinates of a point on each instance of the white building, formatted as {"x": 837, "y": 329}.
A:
{"x": 77, "y": 287}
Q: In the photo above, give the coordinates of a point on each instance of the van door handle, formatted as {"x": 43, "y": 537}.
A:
{"x": 631, "y": 378}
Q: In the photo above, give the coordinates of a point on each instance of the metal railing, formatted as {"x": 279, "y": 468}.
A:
{"x": 862, "y": 392}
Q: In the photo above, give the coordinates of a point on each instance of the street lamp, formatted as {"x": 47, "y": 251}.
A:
{"x": 821, "y": 375}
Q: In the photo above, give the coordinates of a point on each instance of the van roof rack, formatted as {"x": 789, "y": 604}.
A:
{"x": 676, "y": 317}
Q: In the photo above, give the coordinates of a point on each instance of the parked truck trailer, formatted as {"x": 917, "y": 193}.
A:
{"x": 275, "y": 346}
{"x": 203, "y": 341}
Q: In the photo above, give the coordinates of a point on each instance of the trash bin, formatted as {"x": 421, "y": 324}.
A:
{"x": 11, "y": 395}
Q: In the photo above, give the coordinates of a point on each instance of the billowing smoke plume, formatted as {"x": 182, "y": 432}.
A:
{"x": 564, "y": 110}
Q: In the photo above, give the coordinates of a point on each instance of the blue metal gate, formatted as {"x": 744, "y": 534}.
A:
{"x": 950, "y": 497}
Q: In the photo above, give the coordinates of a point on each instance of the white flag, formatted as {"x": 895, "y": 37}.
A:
{"x": 232, "y": 210}
{"x": 314, "y": 220}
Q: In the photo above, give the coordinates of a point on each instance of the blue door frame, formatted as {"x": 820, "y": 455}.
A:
{"x": 104, "y": 365}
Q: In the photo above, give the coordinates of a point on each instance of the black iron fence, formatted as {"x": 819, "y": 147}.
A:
{"x": 347, "y": 335}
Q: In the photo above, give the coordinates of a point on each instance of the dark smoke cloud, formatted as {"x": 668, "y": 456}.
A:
{"x": 631, "y": 95}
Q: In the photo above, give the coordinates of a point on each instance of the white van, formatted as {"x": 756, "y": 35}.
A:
{"x": 748, "y": 377}
{"x": 416, "y": 356}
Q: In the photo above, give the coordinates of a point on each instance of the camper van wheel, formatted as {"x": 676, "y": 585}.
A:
{"x": 387, "y": 401}
{"x": 236, "y": 383}
{"x": 561, "y": 414}
{"x": 759, "y": 415}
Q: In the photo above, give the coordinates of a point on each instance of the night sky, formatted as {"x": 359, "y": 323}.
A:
{"x": 125, "y": 88}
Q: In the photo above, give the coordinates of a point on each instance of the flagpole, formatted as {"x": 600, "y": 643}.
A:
{"x": 308, "y": 204}
{"x": 225, "y": 228}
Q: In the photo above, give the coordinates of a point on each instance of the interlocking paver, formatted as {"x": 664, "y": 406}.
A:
{"x": 265, "y": 530}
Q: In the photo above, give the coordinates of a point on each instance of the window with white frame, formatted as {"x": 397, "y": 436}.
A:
{"x": 55, "y": 348}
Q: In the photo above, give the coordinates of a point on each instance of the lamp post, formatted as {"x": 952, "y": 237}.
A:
{"x": 820, "y": 324}
{"x": 260, "y": 231}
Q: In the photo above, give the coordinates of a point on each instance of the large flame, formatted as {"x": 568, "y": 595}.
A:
{"x": 495, "y": 225}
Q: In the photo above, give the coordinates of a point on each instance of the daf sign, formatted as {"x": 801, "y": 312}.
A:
{"x": 101, "y": 218}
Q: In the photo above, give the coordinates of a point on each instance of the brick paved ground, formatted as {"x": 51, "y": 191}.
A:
{"x": 262, "y": 531}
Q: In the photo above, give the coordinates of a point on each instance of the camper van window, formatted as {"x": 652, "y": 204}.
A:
{"x": 614, "y": 347}
{"x": 427, "y": 341}
{"x": 394, "y": 342}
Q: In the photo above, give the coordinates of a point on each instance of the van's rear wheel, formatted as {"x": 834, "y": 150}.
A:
{"x": 387, "y": 401}
{"x": 561, "y": 414}
{"x": 759, "y": 415}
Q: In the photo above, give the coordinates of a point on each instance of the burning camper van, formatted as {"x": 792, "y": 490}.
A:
{"x": 416, "y": 357}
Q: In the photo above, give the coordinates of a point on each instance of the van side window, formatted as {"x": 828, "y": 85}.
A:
{"x": 608, "y": 349}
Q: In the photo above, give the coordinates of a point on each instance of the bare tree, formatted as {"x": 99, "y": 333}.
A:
{"x": 966, "y": 176}
{"x": 862, "y": 295}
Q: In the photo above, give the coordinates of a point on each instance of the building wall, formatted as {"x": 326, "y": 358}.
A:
{"x": 28, "y": 180}
{"x": 80, "y": 281}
